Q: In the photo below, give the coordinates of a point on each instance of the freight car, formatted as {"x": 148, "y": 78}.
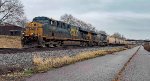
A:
{"x": 115, "y": 41}
{"x": 43, "y": 31}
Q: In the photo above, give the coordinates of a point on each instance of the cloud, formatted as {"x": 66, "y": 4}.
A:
{"x": 138, "y": 6}
{"x": 129, "y": 17}
{"x": 128, "y": 23}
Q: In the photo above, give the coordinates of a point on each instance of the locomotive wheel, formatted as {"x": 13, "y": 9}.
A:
{"x": 51, "y": 45}
{"x": 47, "y": 45}
{"x": 90, "y": 44}
{"x": 41, "y": 42}
{"x": 58, "y": 44}
{"x": 85, "y": 44}
{"x": 81, "y": 44}
{"x": 55, "y": 45}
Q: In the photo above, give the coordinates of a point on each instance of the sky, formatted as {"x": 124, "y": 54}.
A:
{"x": 131, "y": 18}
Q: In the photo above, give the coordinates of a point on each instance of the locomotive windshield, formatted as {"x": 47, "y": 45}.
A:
{"x": 42, "y": 20}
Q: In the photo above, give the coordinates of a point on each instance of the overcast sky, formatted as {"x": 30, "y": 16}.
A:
{"x": 128, "y": 17}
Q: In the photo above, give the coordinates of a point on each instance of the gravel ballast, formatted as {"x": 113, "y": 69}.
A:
{"x": 25, "y": 59}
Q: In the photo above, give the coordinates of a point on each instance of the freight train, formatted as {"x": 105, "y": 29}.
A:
{"x": 46, "y": 32}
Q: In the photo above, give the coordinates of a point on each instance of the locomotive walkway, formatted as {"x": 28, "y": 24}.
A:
{"x": 102, "y": 68}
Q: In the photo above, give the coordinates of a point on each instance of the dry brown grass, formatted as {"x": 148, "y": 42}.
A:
{"x": 129, "y": 46}
{"x": 10, "y": 41}
{"x": 147, "y": 46}
{"x": 45, "y": 64}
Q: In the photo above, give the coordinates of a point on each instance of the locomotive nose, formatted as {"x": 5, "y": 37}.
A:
{"x": 33, "y": 29}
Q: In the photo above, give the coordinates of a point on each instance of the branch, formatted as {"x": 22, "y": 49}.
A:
{"x": 3, "y": 3}
{"x": 9, "y": 10}
{"x": 1, "y": 20}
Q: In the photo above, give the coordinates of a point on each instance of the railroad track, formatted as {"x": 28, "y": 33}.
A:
{"x": 26, "y": 50}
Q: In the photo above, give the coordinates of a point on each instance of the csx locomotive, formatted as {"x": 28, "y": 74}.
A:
{"x": 43, "y": 31}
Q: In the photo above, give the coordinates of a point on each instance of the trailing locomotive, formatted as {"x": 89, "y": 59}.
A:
{"x": 43, "y": 31}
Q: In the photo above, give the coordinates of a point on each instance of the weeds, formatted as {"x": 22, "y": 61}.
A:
{"x": 10, "y": 41}
{"x": 44, "y": 64}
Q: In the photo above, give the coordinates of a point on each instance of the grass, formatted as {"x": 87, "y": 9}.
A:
{"x": 44, "y": 64}
{"x": 10, "y": 41}
{"x": 16, "y": 76}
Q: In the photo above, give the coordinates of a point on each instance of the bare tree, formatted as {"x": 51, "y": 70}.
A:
{"x": 22, "y": 22}
{"x": 101, "y": 32}
{"x": 76, "y": 22}
{"x": 118, "y": 35}
{"x": 123, "y": 37}
{"x": 10, "y": 11}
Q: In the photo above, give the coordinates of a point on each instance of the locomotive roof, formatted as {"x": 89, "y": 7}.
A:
{"x": 103, "y": 34}
{"x": 43, "y": 18}
{"x": 81, "y": 29}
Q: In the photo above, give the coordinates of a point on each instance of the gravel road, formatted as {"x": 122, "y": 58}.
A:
{"x": 139, "y": 67}
{"x": 98, "y": 69}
